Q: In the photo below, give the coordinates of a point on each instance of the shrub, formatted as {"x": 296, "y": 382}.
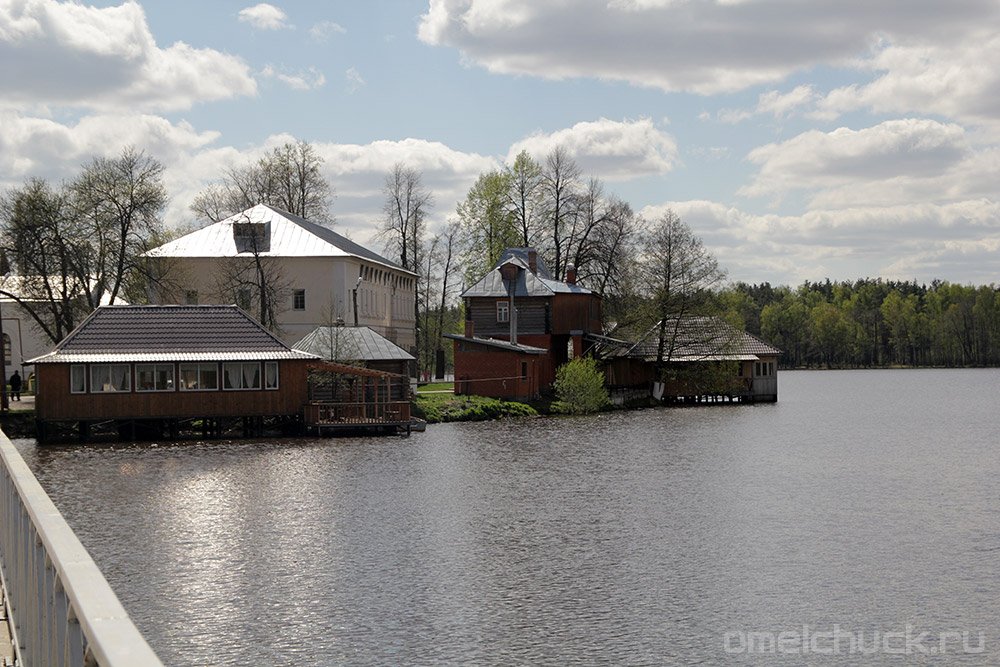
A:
{"x": 580, "y": 387}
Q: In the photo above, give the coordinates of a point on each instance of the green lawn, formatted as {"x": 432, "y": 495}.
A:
{"x": 436, "y": 386}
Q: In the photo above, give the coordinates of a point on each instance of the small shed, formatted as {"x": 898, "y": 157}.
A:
{"x": 356, "y": 346}
{"x": 166, "y": 366}
{"x": 498, "y": 368}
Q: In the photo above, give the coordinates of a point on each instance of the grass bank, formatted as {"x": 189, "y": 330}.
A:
{"x": 446, "y": 407}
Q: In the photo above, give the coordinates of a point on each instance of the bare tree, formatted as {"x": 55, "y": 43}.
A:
{"x": 37, "y": 239}
{"x": 679, "y": 274}
{"x": 254, "y": 281}
{"x": 289, "y": 177}
{"x": 560, "y": 183}
{"x": 405, "y": 206}
{"x": 119, "y": 201}
{"x": 448, "y": 244}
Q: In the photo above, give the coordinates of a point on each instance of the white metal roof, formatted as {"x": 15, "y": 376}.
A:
{"x": 290, "y": 236}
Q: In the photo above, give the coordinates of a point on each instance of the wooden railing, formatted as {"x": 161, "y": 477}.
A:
{"x": 392, "y": 412}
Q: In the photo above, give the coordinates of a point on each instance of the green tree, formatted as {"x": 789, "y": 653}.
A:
{"x": 488, "y": 222}
{"x": 579, "y": 387}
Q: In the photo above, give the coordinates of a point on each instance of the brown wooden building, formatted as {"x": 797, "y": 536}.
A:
{"x": 520, "y": 325}
{"x": 165, "y": 366}
{"x": 704, "y": 358}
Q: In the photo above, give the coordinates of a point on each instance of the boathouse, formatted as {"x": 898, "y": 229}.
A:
{"x": 161, "y": 368}
{"x": 702, "y": 359}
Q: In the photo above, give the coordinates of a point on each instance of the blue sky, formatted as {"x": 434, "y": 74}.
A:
{"x": 801, "y": 140}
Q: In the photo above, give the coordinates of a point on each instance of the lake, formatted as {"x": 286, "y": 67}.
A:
{"x": 856, "y": 519}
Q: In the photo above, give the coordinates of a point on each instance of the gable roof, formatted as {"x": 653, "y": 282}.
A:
{"x": 169, "y": 333}
{"x": 694, "y": 339}
{"x": 353, "y": 343}
{"x": 290, "y": 236}
{"x": 527, "y": 283}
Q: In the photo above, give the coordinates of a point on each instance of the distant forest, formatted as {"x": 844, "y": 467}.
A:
{"x": 871, "y": 323}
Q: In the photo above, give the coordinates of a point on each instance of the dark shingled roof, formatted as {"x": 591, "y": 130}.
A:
{"x": 694, "y": 339}
{"x": 351, "y": 343}
{"x": 169, "y": 333}
{"x": 527, "y": 284}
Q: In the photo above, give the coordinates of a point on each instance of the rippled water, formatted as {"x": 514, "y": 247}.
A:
{"x": 864, "y": 500}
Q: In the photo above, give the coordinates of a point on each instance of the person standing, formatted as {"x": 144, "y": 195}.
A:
{"x": 15, "y": 386}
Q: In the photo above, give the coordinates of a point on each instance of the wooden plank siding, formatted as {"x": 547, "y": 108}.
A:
{"x": 560, "y": 314}
{"x": 54, "y": 402}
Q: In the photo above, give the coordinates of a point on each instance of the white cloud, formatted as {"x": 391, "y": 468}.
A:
{"x": 958, "y": 80}
{"x": 354, "y": 80}
{"x": 610, "y": 150}
{"x": 264, "y": 17}
{"x": 43, "y": 148}
{"x": 702, "y": 46}
{"x": 324, "y": 29}
{"x": 907, "y": 241}
{"x": 909, "y": 149}
{"x": 105, "y": 58}
{"x": 309, "y": 79}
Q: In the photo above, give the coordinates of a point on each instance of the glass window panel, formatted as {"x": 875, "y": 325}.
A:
{"x": 271, "y": 375}
{"x": 209, "y": 376}
{"x": 77, "y": 379}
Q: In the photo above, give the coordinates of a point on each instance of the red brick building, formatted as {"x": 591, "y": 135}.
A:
{"x": 520, "y": 325}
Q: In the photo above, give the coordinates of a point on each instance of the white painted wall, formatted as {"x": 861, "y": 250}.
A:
{"x": 385, "y": 297}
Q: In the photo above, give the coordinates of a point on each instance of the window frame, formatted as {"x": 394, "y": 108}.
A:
{"x": 298, "y": 299}
{"x": 98, "y": 367}
{"x": 82, "y": 368}
{"x": 197, "y": 366}
{"x": 242, "y": 364}
{"x": 155, "y": 369}
{"x": 503, "y": 311}
{"x": 277, "y": 376}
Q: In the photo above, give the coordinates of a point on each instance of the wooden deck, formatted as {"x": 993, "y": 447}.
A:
{"x": 328, "y": 417}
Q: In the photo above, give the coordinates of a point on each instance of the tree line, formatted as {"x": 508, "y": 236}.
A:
{"x": 871, "y": 322}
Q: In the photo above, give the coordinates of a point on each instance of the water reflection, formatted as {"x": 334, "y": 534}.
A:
{"x": 622, "y": 538}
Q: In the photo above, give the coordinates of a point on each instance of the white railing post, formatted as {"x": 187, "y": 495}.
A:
{"x": 62, "y": 611}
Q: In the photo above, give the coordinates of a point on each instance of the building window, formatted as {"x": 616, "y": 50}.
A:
{"x": 154, "y": 377}
{"x": 241, "y": 375}
{"x": 270, "y": 375}
{"x": 299, "y": 299}
{"x": 191, "y": 297}
{"x": 6, "y": 350}
{"x": 503, "y": 311}
{"x": 524, "y": 370}
{"x": 107, "y": 378}
{"x": 199, "y": 377}
{"x": 77, "y": 379}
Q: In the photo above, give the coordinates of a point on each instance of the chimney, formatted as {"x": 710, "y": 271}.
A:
{"x": 533, "y": 260}
{"x": 570, "y": 274}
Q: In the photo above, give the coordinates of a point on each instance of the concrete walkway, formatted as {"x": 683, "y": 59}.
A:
{"x": 26, "y": 404}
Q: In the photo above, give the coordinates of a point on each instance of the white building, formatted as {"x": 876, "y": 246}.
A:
{"x": 323, "y": 275}
{"x": 22, "y": 338}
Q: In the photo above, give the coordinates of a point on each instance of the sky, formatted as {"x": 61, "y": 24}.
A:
{"x": 801, "y": 140}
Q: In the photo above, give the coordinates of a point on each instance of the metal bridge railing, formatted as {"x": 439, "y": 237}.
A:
{"x": 62, "y": 611}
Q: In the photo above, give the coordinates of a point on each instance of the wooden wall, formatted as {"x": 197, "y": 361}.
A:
{"x": 54, "y": 402}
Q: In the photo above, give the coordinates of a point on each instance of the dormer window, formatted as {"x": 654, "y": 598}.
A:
{"x": 252, "y": 236}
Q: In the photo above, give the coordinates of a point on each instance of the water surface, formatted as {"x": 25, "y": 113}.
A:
{"x": 864, "y": 500}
